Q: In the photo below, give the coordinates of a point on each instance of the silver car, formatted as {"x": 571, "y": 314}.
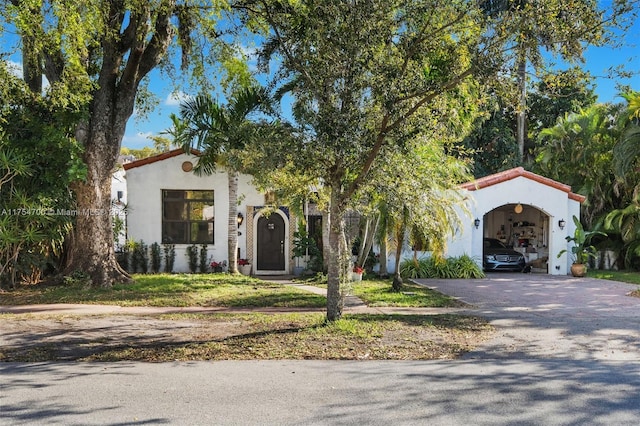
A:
{"x": 498, "y": 257}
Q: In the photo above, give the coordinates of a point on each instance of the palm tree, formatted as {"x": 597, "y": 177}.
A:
{"x": 577, "y": 151}
{"x": 627, "y": 150}
{"x": 560, "y": 28}
{"x": 221, "y": 133}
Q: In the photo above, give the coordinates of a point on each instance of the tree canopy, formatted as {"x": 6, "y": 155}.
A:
{"x": 367, "y": 79}
{"x": 97, "y": 56}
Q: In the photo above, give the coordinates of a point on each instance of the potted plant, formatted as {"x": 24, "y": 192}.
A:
{"x": 356, "y": 273}
{"x": 582, "y": 249}
{"x": 244, "y": 266}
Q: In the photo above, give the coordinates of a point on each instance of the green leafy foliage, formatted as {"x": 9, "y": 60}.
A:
{"x": 582, "y": 248}
{"x": 435, "y": 267}
{"x": 36, "y": 206}
{"x": 203, "y": 264}
{"x": 155, "y": 258}
{"x": 578, "y": 151}
{"x": 169, "y": 251}
{"x": 139, "y": 257}
{"x": 192, "y": 258}
{"x": 625, "y": 222}
{"x": 305, "y": 245}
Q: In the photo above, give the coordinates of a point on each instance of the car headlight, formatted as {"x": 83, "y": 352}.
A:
{"x": 490, "y": 257}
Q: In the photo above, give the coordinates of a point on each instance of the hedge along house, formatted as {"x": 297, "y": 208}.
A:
{"x": 524, "y": 210}
{"x": 169, "y": 204}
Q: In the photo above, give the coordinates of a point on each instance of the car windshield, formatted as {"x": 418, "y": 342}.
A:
{"x": 494, "y": 244}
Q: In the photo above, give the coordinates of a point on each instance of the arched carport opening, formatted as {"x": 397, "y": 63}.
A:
{"x": 523, "y": 227}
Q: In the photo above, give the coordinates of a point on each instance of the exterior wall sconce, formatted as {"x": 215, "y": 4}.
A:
{"x": 240, "y": 219}
{"x": 561, "y": 223}
{"x": 476, "y": 223}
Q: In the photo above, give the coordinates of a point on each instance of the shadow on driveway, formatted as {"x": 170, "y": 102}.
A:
{"x": 552, "y": 316}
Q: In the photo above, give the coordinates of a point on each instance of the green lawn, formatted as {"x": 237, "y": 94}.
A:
{"x": 172, "y": 290}
{"x": 222, "y": 290}
{"x": 631, "y": 277}
{"x": 376, "y": 292}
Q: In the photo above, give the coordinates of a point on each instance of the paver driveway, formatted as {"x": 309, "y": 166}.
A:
{"x": 552, "y": 316}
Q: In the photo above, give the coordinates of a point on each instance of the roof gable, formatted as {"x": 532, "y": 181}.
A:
{"x": 159, "y": 157}
{"x": 507, "y": 175}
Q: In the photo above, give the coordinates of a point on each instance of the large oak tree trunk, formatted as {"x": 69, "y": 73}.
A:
{"x": 92, "y": 246}
{"x": 126, "y": 60}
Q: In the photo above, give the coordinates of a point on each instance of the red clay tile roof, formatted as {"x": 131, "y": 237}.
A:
{"x": 517, "y": 172}
{"x": 159, "y": 157}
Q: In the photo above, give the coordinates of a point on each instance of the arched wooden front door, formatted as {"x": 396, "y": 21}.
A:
{"x": 271, "y": 243}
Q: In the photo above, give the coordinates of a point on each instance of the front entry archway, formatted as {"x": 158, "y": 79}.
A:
{"x": 525, "y": 228}
{"x": 271, "y": 244}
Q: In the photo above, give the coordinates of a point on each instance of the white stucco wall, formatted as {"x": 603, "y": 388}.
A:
{"x": 552, "y": 202}
{"x": 145, "y": 184}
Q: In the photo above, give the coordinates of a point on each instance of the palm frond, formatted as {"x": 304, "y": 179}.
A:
{"x": 627, "y": 151}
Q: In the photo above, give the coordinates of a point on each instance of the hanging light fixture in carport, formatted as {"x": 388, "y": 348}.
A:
{"x": 518, "y": 208}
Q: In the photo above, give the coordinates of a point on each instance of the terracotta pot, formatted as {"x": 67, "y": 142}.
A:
{"x": 579, "y": 270}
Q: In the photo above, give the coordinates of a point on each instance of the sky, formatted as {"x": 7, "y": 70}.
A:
{"x": 598, "y": 61}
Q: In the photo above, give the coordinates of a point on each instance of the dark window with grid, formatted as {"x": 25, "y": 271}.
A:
{"x": 187, "y": 217}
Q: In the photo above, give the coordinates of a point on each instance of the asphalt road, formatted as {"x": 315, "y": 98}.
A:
{"x": 567, "y": 353}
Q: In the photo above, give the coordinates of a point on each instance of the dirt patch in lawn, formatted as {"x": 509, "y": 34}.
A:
{"x": 185, "y": 337}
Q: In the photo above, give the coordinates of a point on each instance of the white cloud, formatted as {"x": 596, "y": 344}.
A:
{"x": 176, "y": 98}
{"x": 138, "y": 140}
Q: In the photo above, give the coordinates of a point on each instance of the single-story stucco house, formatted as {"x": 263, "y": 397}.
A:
{"x": 169, "y": 204}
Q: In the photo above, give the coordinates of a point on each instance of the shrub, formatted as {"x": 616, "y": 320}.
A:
{"x": 192, "y": 255}
{"x": 434, "y": 267}
{"x": 169, "y": 257}
{"x": 413, "y": 268}
{"x": 466, "y": 267}
{"x": 155, "y": 258}
{"x": 134, "y": 258}
{"x": 204, "y": 266}
{"x": 140, "y": 257}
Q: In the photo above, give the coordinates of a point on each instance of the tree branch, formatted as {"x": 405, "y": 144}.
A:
{"x": 386, "y": 127}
